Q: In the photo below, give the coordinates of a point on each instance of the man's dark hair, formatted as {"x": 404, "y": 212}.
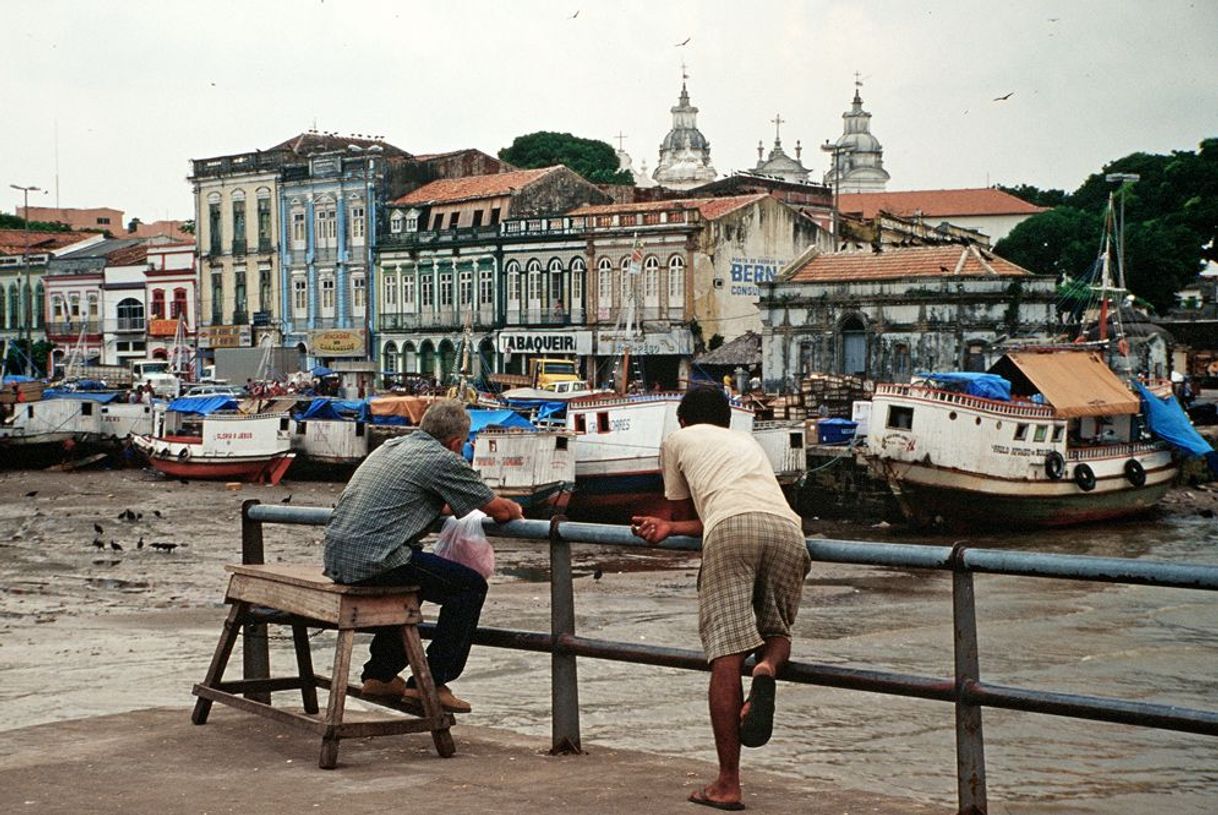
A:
{"x": 705, "y": 405}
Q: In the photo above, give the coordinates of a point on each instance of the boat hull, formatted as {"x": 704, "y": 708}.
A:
{"x": 262, "y": 470}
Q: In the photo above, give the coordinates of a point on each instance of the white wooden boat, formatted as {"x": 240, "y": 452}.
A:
{"x": 534, "y": 468}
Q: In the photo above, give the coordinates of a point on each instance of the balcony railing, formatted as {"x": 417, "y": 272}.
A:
{"x": 242, "y": 163}
{"x": 71, "y": 328}
{"x": 264, "y": 245}
{"x": 538, "y": 316}
{"x": 127, "y": 324}
{"x": 462, "y": 234}
{"x": 448, "y": 318}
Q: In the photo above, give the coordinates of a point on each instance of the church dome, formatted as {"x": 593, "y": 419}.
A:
{"x": 685, "y": 138}
{"x": 860, "y": 142}
{"x": 685, "y": 152}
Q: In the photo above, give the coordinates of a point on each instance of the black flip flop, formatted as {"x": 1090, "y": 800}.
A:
{"x": 699, "y": 797}
{"x": 758, "y": 723}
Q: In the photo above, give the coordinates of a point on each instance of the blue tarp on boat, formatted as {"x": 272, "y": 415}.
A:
{"x": 544, "y": 408}
{"x": 12, "y": 379}
{"x": 321, "y": 370}
{"x": 1167, "y": 420}
{"x": 987, "y": 386}
{"x": 480, "y": 419}
{"x": 104, "y": 397}
{"x": 344, "y": 410}
{"x": 202, "y": 405}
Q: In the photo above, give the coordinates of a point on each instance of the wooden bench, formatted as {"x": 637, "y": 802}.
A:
{"x": 302, "y": 597}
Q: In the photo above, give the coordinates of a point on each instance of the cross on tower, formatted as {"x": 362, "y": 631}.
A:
{"x": 858, "y": 80}
{"x": 620, "y": 138}
{"x": 684, "y": 71}
{"x": 777, "y": 120}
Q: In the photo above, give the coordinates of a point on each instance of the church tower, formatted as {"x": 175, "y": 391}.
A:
{"x": 685, "y": 152}
{"x": 779, "y": 164}
{"x": 858, "y": 158}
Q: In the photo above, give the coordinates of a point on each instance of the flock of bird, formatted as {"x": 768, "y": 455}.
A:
{"x": 128, "y": 516}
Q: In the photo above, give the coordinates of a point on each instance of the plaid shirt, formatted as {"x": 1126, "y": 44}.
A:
{"x": 388, "y": 505}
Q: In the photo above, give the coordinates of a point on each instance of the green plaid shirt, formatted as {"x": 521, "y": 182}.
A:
{"x": 394, "y": 496}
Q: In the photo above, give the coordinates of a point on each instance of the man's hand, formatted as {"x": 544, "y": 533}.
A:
{"x": 503, "y": 510}
{"x": 650, "y": 528}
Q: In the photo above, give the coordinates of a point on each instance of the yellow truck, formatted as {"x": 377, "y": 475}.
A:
{"x": 543, "y": 373}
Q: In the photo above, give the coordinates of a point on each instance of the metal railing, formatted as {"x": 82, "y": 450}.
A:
{"x": 964, "y": 689}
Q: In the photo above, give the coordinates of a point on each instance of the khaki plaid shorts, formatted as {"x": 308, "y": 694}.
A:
{"x": 752, "y": 576}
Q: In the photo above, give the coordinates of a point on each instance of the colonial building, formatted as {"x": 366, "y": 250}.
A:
{"x": 170, "y": 292}
{"x": 700, "y": 263}
{"x": 685, "y": 153}
{"x": 441, "y": 263}
{"x": 857, "y": 163}
{"x": 106, "y": 219}
{"x": 23, "y": 264}
{"x": 987, "y": 210}
{"x": 75, "y": 282}
{"x": 889, "y": 314}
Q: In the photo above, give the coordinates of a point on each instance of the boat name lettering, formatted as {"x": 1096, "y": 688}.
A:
{"x": 246, "y": 435}
{"x": 619, "y": 424}
{"x": 513, "y": 461}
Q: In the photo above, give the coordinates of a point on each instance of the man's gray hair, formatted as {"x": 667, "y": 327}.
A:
{"x": 445, "y": 419}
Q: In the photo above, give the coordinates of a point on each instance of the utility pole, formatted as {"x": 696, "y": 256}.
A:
{"x": 27, "y": 295}
{"x": 837, "y": 151}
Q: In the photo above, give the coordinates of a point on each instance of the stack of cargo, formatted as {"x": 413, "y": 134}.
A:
{"x": 836, "y": 392}
{"x": 15, "y": 392}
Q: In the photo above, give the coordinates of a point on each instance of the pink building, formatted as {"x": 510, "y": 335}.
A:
{"x": 105, "y": 218}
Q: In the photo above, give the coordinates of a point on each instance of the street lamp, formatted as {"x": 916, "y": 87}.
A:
{"x": 1122, "y": 179}
{"x": 837, "y": 151}
{"x": 28, "y": 292}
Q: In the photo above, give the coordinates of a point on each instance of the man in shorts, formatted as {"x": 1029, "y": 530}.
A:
{"x": 754, "y": 560}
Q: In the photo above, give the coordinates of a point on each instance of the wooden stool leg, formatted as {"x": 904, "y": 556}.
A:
{"x": 304, "y": 667}
{"x": 219, "y": 660}
{"x": 338, "y": 698}
{"x": 427, "y": 689}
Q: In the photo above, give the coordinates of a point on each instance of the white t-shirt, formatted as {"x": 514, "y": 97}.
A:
{"x": 725, "y": 472}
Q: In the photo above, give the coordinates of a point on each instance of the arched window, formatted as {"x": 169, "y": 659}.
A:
{"x": 651, "y": 282}
{"x": 676, "y": 282}
{"x": 626, "y": 280}
{"x": 57, "y": 307}
{"x": 410, "y": 359}
{"x": 604, "y": 286}
{"x": 389, "y": 357}
{"x": 513, "y": 286}
{"x": 448, "y": 358}
{"x": 854, "y": 346}
{"x": 556, "y": 286}
{"x": 130, "y": 314}
{"x": 427, "y": 358}
{"x": 578, "y": 275}
{"x": 158, "y": 304}
{"x": 533, "y": 292}
{"x": 395, "y": 221}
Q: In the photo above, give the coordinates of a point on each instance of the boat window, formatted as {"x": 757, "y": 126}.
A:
{"x": 359, "y": 429}
{"x": 796, "y": 440}
{"x": 1057, "y": 433}
{"x": 285, "y": 423}
{"x": 602, "y": 422}
{"x": 560, "y": 442}
{"x": 29, "y": 411}
{"x": 1041, "y": 431}
{"x": 492, "y": 446}
{"x": 301, "y": 427}
{"x": 952, "y": 415}
{"x": 581, "y": 423}
{"x": 86, "y": 408}
{"x": 1021, "y": 431}
{"x": 900, "y": 418}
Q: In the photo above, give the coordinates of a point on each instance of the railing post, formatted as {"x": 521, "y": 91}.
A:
{"x": 255, "y": 656}
{"x": 970, "y": 743}
{"x": 564, "y": 682}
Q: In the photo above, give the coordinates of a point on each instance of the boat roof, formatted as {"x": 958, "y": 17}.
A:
{"x": 1074, "y": 383}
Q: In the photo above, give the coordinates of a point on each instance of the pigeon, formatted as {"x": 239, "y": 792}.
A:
{"x": 98, "y": 528}
{"x": 598, "y": 574}
{"x": 140, "y": 544}
{"x": 287, "y": 500}
{"x": 118, "y": 547}
{"x": 139, "y": 516}
{"x": 31, "y": 493}
{"x": 156, "y": 512}
{"x": 183, "y": 481}
{"x": 98, "y": 543}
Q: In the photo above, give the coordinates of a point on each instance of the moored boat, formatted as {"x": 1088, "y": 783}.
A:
{"x": 1047, "y": 438}
{"x": 207, "y": 438}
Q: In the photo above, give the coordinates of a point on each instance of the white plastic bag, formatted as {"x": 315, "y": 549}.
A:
{"x": 463, "y": 541}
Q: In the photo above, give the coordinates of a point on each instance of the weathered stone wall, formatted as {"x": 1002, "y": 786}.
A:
{"x": 558, "y": 191}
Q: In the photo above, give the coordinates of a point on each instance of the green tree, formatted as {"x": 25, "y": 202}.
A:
{"x": 8, "y": 221}
{"x": 594, "y": 160}
{"x": 1035, "y": 195}
{"x": 1171, "y": 224}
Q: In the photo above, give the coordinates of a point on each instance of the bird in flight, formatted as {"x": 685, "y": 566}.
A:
{"x": 687, "y": 39}
{"x": 1003, "y": 98}
{"x": 573, "y": 16}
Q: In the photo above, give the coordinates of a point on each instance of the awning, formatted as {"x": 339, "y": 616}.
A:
{"x": 1074, "y": 383}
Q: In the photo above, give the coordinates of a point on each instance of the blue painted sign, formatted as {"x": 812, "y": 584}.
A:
{"x": 746, "y": 273}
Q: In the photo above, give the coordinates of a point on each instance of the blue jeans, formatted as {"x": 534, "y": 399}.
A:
{"x": 458, "y": 590}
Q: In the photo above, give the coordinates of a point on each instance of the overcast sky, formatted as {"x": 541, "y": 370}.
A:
{"x": 136, "y": 89}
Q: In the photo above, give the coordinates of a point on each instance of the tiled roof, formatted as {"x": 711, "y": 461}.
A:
{"x": 307, "y": 143}
{"x": 12, "y": 241}
{"x": 472, "y": 187}
{"x": 710, "y": 208}
{"x": 936, "y": 203}
{"x": 951, "y": 260}
{"x": 128, "y": 256}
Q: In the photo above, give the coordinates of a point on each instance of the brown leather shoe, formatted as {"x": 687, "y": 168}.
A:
{"x": 394, "y": 688}
{"x": 449, "y": 702}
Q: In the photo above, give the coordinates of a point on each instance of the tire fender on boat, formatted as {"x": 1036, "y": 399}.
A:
{"x": 1084, "y": 476}
{"x": 184, "y": 453}
{"x": 1135, "y": 472}
{"x": 1055, "y": 465}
